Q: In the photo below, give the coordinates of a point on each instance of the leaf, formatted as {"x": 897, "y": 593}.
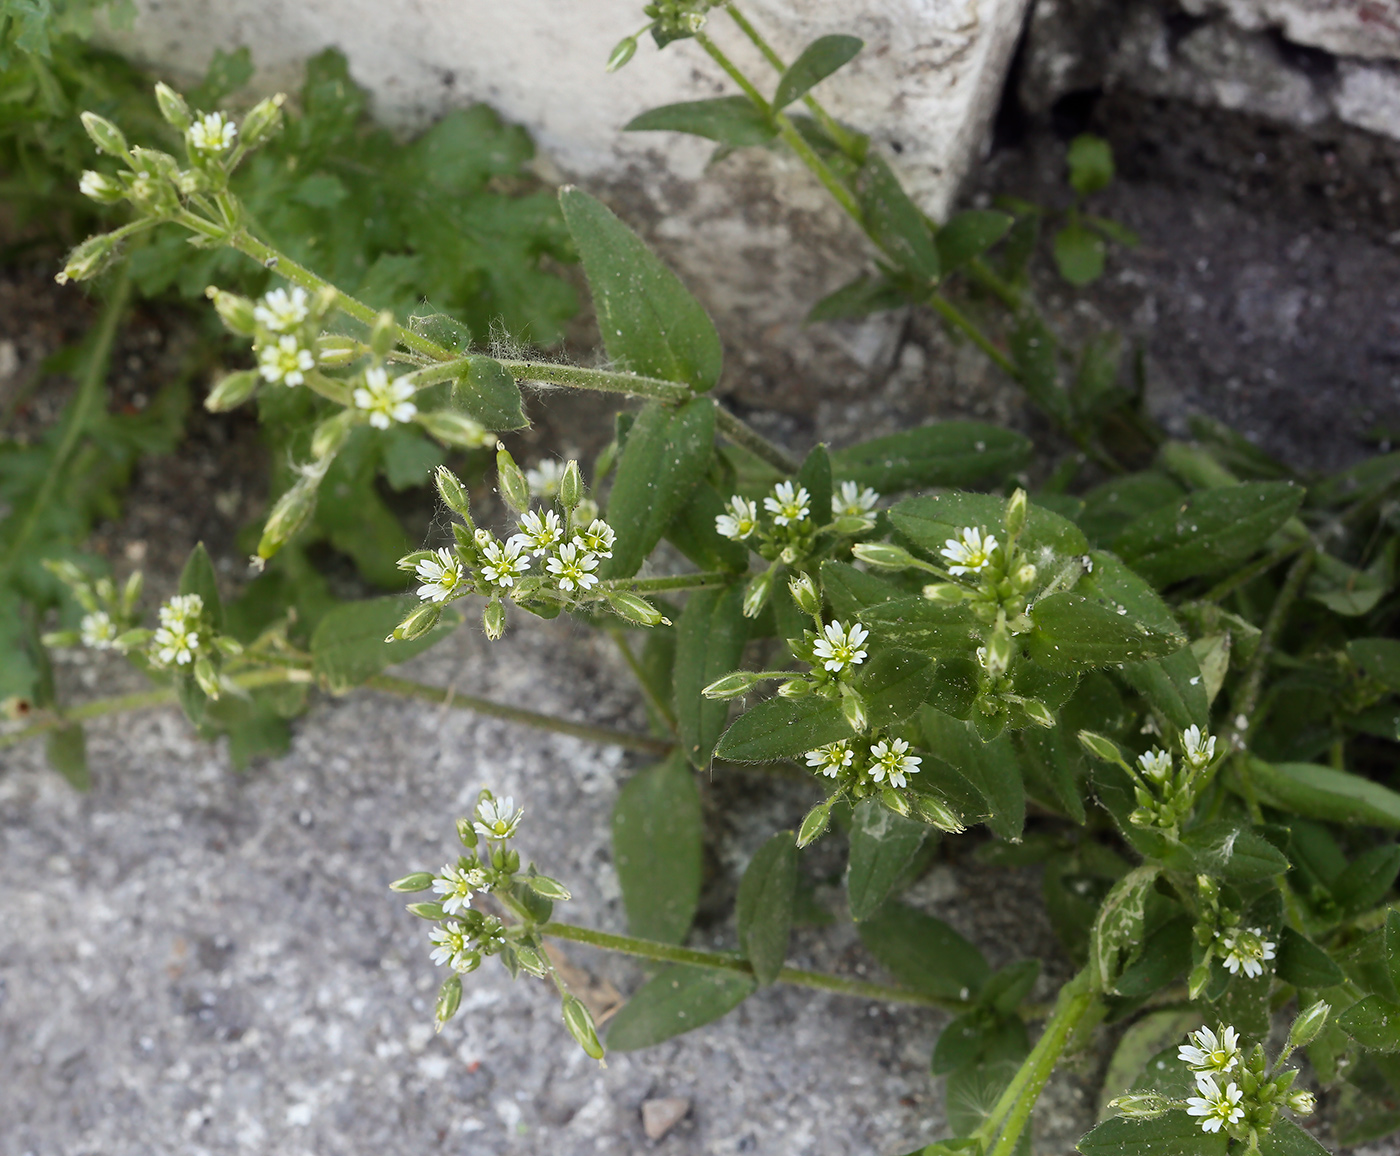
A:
{"x": 858, "y": 298}
{"x": 1035, "y": 352}
{"x": 1230, "y": 852}
{"x": 923, "y": 952}
{"x": 692, "y": 532}
{"x": 951, "y": 453}
{"x": 1367, "y": 879}
{"x": 1173, "y": 686}
{"x": 851, "y": 591}
{"x": 710, "y": 639}
{"x": 1079, "y": 254}
{"x": 1090, "y": 161}
{"x": 666, "y": 455}
{"x": 818, "y": 61}
{"x": 348, "y": 644}
{"x": 815, "y": 477}
{"x": 442, "y": 329}
{"x": 976, "y": 1038}
{"x": 940, "y": 629}
{"x": 1344, "y": 589}
{"x": 1121, "y": 590}
{"x": 1303, "y": 964}
{"x": 648, "y": 320}
{"x": 882, "y": 846}
{"x": 1043, "y": 753}
{"x": 895, "y": 684}
{"x": 1324, "y": 793}
{"x": 764, "y": 907}
{"x": 198, "y": 578}
{"x": 1074, "y": 631}
{"x": 1148, "y": 1036}
{"x": 1373, "y": 1023}
{"x": 782, "y": 728}
{"x": 1109, "y": 507}
{"x": 1379, "y": 658}
{"x": 678, "y": 999}
{"x": 1285, "y": 1138}
{"x": 488, "y": 392}
{"x": 731, "y": 120}
{"x": 657, "y": 845}
{"x": 1118, "y": 929}
{"x": 1175, "y": 1134}
{"x": 66, "y": 751}
{"x": 970, "y": 234}
{"x": 408, "y": 458}
{"x": 893, "y": 221}
{"x": 1208, "y": 532}
{"x": 990, "y": 767}
{"x": 973, "y": 1092}
{"x": 930, "y": 521}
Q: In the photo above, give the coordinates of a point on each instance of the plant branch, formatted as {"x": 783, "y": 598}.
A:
{"x": 1222, "y": 590}
{"x": 601, "y": 380}
{"x": 658, "y": 705}
{"x": 698, "y": 581}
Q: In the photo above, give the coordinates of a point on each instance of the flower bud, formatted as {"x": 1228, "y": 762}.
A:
{"x": 570, "y": 486}
{"x": 467, "y": 833}
{"x": 634, "y": 609}
{"x": 330, "y": 434}
{"x": 511, "y": 483}
{"x": 101, "y": 188}
{"x": 580, "y": 1024}
{"x": 382, "y": 333}
{"x": 133, "y": 639}
{"x": 236, "y": 311}
{"x": 1141, "y": 1106}
{"x": 731, "y": 685}
{"x": 418, "y": 881}
{"x": 1016, "y": 508}
{"x": 88, "y": 259}
{"x": 1308, "y": 1024}
{"x": 937, "y": 813}
{"x": 853, "y": 708}
{"x": 61, "y": 638}
{"x": 1302, "y": 1101}
{"x": 173, "y": 107}
{"x": 449, "y": 1000}
{"x": 894, "y": 801}
{"x": 852, "y": 524}
{"x": 452, "y": 492}
{"x": 1197, "y": 980}
{"x": 409, "y": 562}
{"x": 814, "y": 824}
{"x": 456, "y": 429}
{"x": 804, "y": 593}
{"x": 549, "y": 888}
{"x": 334, "y": 350}
{"x": 998, "y": 654}
{"x": 232, "y": 390}
{"x": 418, "y": 622}
{"x": 105, "y": 135}
{"x": 1038, "y": 712}
{"x": 228, "y": 646}
{"x": 207, "y": 677}
{"x": 531, "y": 961}
{"x": 131, "y": 592}
{"x": 946, "y": 592}
{"x": 885, "y": 555}
{"x": 426, "y": 910}
{"x": 1025, "y": 577}
{"x": 625, "y": 50}
{"x": 795, "y": 688}
{"x": 493, "y": 620}
{"x": 756, "y": 596}
{"x": 1100, "y": 747}
{"x": 263, "y": 122}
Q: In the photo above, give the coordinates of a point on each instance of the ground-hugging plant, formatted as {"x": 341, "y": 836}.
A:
{"x": 1149, "y": 670}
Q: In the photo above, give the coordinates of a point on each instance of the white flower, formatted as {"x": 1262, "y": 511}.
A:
{"x": 1197, "y": 749}
{"x": 786, "y": 506}
{"x": 175, "y": 644}
{"x": 1205, "y": 1051}
{"x": 1246, "y": 949}
{"x": 98, "y": 630}
{"x": 852, "y": 501}
{"x": 441, "y": 575}
{"x": 1156, "y": 765}
{"x": 286, "y": 361}
{"x": 281, "y": 312}
{"x": 740, "y": 521}
{"x": 544, "y": 479}
{"x": 841, "y": 648}
{"x": 971, "y": 553}
{"x": 387, "y": 401}
{"x": 456, "y": 885}
{"x": 99, "y": 186}
{"x": 572, "y": 569}
{"x": 597, "y": 539}
{"x": 212, "y": 133}
{"x": 893, "y": 761}
{"x": 181, "y": 610}
{"x": 540, "y": 534}
{"x": 451, "y": 943}
{"x": 1214, "y": 1106}
{"x": 497, "y": 818}
{"x": 831, "y": 759}
{"x": 503, "y": 561}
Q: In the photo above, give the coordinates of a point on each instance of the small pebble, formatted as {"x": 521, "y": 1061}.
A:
{"x": 660, "y": 1116}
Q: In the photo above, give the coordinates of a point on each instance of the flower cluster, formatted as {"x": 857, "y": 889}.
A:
{"x": 108, "y": 615}
{"x": 889, "y": 761}
{"x": 176, "y": 640}
{"x": 1219, "y": 933}
{"x": 1165, "y": 791}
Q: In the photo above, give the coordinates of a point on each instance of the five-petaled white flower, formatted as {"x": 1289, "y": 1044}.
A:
{"x": 597, "y": 539}
{"x": 971, "y": 552}
{"x": 573, "y": 569}
{"x": 386, "y": 400}
{"x": 1156, "y": 765}
{"x": 286, "y": 361}
{"x": 1214, "y": 1106}
{"x": 892, "y": 761}
{"x": 456, "y": 884}
{"x": 1246, "y": 949}
{"x": 539, "y": 534}
{"x": 182, "y": 609}
{"x": 497, "y": 818}
{"x": 98, "y": 631}
{"x": 1197, "y": 749}
{"x": 831, "y": 759}
{"x": 451, "y": 943}
{"x": 1207, "y": 1051}
{"x": 852, "y": 501}
{"x": 788, "y": 505}
{"x": 544, "y": 479}
{"x": 840, "y": 648}
{"x": 280, "y": 311}
{"x": 212, "y": 133}
{"x": 503, "y": 561}
{"x": 740, "y": 520}
{"x": 176, "y": 640}
{"x": 441, "y": 575}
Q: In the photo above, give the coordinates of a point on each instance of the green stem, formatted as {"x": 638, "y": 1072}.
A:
{"x": 601, "y": 380}
{"x": 698, "y": 581}
{"x": 730, "y": 961}
{"x": 1222, "y": 590}
{"x": 746, "y": 437}
{"x": 655, "y": 701}
{"x": 960, "y": 321}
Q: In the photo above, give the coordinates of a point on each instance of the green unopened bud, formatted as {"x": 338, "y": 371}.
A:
{"x": 418, "y": 881}
{"x": 937, "y": 813}
{"x": 334, "y": 350}
{"x": 61, "y": 638}
{"x": 853, "y": 708}
{"x": 1308, "y": 1024}
{"x": 634, "y": 608}
{"x": 101, "y": 188}
{"x": 453, "y": 493}
{"x": 426, "y": 910}
{"x": 448, "y": 1001}
{"x": 756, "y": 596}
{"x": 531, "y": 960}
{"x": 131, "y": 592}
{"x": 263, "y": 122}
{"x": 804, "y": 593}
{"x": 493, "y": 620}
{"x": 207, "y": 677}
{"x": 292, "y": 511}
{"x": 456, "y": 429}
{"x": 88, "y": 259}
{"x": 1017, "y": 507}
{"x": 383, "y": 333}
{"x": 814, "y": 824}
{"x": 947, "y": 592}
{"x": 232, "y": 390}
{"x": 1038, "y": 712}
{"x": 230, "y": 647}
{"x": 731, "y": 685}
{"x": 852, "y": 524}
{"x": 133, "y": 639}
{"x": 1199, "y": 977}
{"x": 467, "y": 833}
{"x": 998, "y": 654}
{"x": 549, "y": 888}
{"x": 173, "y": 107}
{"x": 884, "y": 555}
{"x": 105, "y": 135}
{"x": 409, "y": 562}
{"x": 1100, "y": 747}
{"x": 570, "y": 486}
{"x": 795, "y": 688}
{"x": 510, "y": 481}
{"x": 331, "y": 434}
{"x": 1024, "y": 578}
{"x": 66, "y": 572}
{"x": 579, "y": 1021}
{"x": 894, "y": 801}
{"x": 1141, "y": 1106}
{"x": 1302, "y": 1101}
{"x": 235, "y": 310}
{"x": 417, "y": 623}
{"x": 625, "y": 50}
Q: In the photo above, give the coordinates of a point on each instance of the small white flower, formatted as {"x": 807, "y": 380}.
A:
{"x": 497, "y": 818}
{"x": 1205, "y": 1051}
{"x": 788, "y": 506}
{"x": 456, "y": 885}
{"x": 181, "y": 610}
{"x": 386, "y": 400}
{"x": 1215, "y": 1107}
{"x": 971, "y": 553}
{"x": 831, "y": 759}
{"x": 98, "y": 630}
{"x": 573, "y": 569}
{"x": 99, "y": 186}
{"x": 540, "y": 534}
{"x": 286, "y": 361}
{"x": 1156, "y": 765}
{"x": 852, "y": 501}
{"x": 740, "y": 521}
{"x": 441, "y": 575}
{"x": 175, "y": 644}
{"x": 280, "y": 311}
{"x": 451, "y": 943}
{"x": 212, "y": 133}
{"x": 893, "y": 762}
{"x": 597, "y": 539}
{"x": 1246, "y": 949}
{"x": 503, "y": 560}
{"x": 544, "y": 479}
{"x": 840, "y": 648}
{"x": 1197, "y": 749}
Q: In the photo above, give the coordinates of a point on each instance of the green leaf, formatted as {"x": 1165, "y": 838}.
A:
{"x": 851, "y": 591}
{"x": 1379, "y": 658}
{"x": 1391, "y": 940}
{"x": 973, "y": 1092}
{"x": 66, "y": 752}
{"x": 1367, "y": 879}
{"x": 1285, "y": 1138}
{"x": 1303, "y": 964}
{"x": 815, "y": 476}
{"x": 882, "y": 845}
{"x": 1324, "y": 793}
{"x": 408, "y": 458}
{"x": 678, "y": 999}
{"x": 1173, "y": 686}
{"x": 930, "y": 521}
{"x": 943, "y": 630}
{"x": 198, "y": 578}
{"x": 1079, "y": 254}
{"x": 970, "y": 234}
{"x": 1119, "y": 589}
{"x": 1208, "y": 532}
{"x": 1175, "y": 1134}
{"x": 1043, "y": 756}
{"x": 1096, "y": 384}
{"x": 991, "y": 767}
{"x": 1228, "y": 851}
{"x": 488, "y": 392}
{"x": 1344, "y": 589}
{"x": 731, "y": 120}
{"x": 1090, "y": 161}
{"x": 1035, "y": 352}
{"x": 657, "y": 845}
{"x": 976, "y": 1038}
{"x": 895, "y": 684}
{"x": 1109, "y": 507}
{"x": 859, "y": 298}
{"x": 1118, "y": 929}
{"x": 710, "y": 639}
{"x": 1075, "y": 631}
{"x": 782, "y": 728}
{"x": 1373, "y": 1023}
{"x": 818, "y": 61}
{"x": 648, "y": 320}
{"x": 951, "y": 453}
{"x": 923, "y": 952}
{"x": 348, "y": 644}
{"x": 443, "y": 330}
{"x": 764, "y": 906}
{"x": 1148, "y": 1036}
{"x": 893, "y": 221}
{"x": 666, "y": 455}
{"x": 692, "y": 532}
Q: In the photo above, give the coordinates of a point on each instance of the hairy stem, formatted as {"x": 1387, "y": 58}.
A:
{"x": 1222, "y": 590}
{"x": 600, "y": 380}
{"x": 659, "y": 706}
{"x": 697, "y": 581}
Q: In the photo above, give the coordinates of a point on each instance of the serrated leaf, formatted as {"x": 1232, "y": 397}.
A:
{"x": 1324, "y": 793}
{"x": 198, "y": 577}
{"x": 66, "y": 752}
{"x": 731, "y": 120}
{"x": 764, "y": 908}
{"x": 969, "y": 234}
{"x": 1303, "y": 964}
{"x": 923, "y": 952}
{"x": 487, "y": 392}
{"x": 348, "y": 644}
{"x": 1175, "y": 1134}
{"x": 678, "y": 999}
{"x": 658, "y": 838}
{"x": 710, "y": 639}
{"x": 952, "y": 453}
{"x": 818, "y": 61}
{"x": 882, "y": 846}
{"x": 893, "y": 221}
